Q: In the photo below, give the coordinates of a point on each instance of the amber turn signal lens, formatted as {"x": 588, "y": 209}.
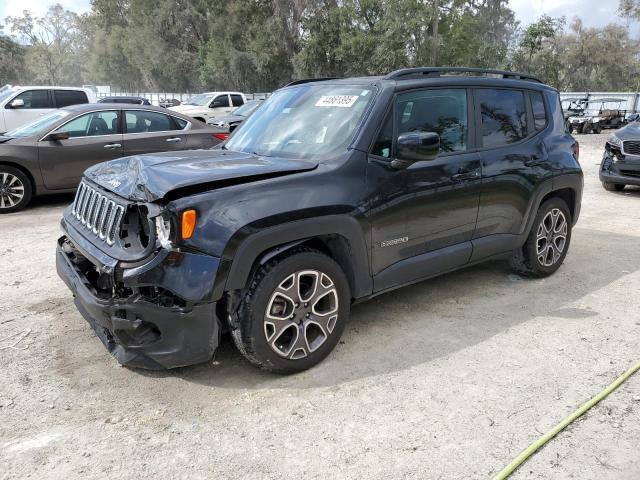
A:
{"x": 189, "y": 218}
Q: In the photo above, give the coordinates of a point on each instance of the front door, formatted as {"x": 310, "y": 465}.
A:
{"x": 93, "y": 138}
{"x": 220, "y": 106}
{"x": 424, "y": 216}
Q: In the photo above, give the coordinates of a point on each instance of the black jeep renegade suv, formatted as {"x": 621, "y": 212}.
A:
{"x": 335, "y": 190}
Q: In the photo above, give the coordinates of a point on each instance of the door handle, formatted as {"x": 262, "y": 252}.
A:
{"x": 113, "y": 145}
{"x": 173, "y": 140}
{"x": 466, "y": 175}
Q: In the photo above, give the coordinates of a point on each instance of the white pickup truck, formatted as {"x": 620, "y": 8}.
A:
{"x": 209, "y": 105}
{"x": 19, "y": 105}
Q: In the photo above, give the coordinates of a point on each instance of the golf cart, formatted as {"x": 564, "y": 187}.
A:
{"x": 594, "y": 121}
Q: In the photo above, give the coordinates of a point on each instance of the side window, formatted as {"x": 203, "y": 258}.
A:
{"x": 236, "y": 100}
{"x": 384, "y": 142}
{"x": 220, "y": 101}
{"x": 64, "y": 98}
{"x": 182, "y": 124}
{"x": 141, "y": 121}
{"x": 442, "y": 111}
{"x": 539, "y": 112}
{"x": 35, "y": 99}
{"x": 92, "y": 124}
{"x": 504, "y": 116}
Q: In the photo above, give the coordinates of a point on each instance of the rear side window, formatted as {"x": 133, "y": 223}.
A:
{"x": 182, "y": 124}
{"x": 442, "y": 111}
{"x": 64, "y": 98}
{"x": 237, "y": 100}
{"x": 35, "y": 99}
{"x": 539, "y": 112}
{"x": 504, "y": 116}
{"x": 140, "y": 121}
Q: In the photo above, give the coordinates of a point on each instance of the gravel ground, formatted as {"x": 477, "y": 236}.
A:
{"x": 450, "y": 378}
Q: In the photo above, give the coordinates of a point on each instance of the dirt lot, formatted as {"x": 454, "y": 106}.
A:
{"x": 450, "y": 378}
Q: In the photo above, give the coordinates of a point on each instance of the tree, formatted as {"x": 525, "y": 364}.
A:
{"x": 11, "y": 54}
{"x": 56, "y": 45}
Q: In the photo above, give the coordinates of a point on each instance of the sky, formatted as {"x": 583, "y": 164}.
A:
{"x": 594, "y": 13}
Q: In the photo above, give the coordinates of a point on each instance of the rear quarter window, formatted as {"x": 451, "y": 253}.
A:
{"x": 539, "y": 110}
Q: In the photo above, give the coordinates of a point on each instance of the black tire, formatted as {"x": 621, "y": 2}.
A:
{"x": 526, "y": 260}
{"x": 613, "y": 187}
{"x": 252, "y": 327}
{"x": 597, "y": 129}
{"x": 15, "y": 189}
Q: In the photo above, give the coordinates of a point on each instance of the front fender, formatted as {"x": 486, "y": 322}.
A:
{"x": 243, "y": 251}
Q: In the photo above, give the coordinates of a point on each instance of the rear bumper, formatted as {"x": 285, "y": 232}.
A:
{"x": 137, "y": 331}
{"x": 625, "y": 170}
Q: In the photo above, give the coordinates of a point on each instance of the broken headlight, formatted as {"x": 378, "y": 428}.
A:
{"x": 163, "y": 231}
{"x": 614, "y": 140}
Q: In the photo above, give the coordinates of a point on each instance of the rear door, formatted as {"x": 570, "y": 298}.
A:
{"x": 146, "y": 131}
{"x": 37, "y": 102}
{"x": 514, "y": 158}
{"x": 64, "y": 98}
{"x": 93, "y": 138}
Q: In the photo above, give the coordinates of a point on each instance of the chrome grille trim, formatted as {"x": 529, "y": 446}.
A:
{"x": 98, "y": 213}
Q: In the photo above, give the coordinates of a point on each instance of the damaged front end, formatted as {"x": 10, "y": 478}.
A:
{"x": 621, "y": 161}
{"x": 149, "y": 302}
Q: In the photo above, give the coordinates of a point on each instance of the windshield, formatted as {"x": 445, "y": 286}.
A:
{"x": 305, "y": 121}
{"x": 201, "y": 100}
{"x": 7, "y": 92}
{"x": 37, "y": 126}
{"x": 246, "y": 109}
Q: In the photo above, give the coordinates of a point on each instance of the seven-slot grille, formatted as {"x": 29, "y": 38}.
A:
{"x": 632, "y": 147}
{"x": 99, "y": 214}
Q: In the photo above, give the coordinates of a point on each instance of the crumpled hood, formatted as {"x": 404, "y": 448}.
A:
{"x": 150, "y": 177}
{"x": 630, "y": 132}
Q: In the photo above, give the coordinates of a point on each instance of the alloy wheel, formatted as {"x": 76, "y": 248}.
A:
{"x": 11, "y": 190}
{"x": 551, "y": 237}
{"x": 301, "y": 314}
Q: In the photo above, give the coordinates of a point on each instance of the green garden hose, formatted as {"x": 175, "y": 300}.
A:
{"x": 534, "y": 447}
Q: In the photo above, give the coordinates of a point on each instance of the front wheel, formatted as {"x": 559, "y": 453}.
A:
{"x": 294, "y": 311}
{"x": 15, "y": 189}
{"x": 547, "y": 244}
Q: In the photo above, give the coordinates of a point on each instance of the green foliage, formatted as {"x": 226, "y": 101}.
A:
{"x": 259, "y": 45}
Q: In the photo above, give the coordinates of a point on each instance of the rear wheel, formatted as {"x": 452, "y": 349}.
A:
{"x": 547, "y": 244}
{"x": 613, "y": 187}
{"x": 15, "y": 189}
{"x": 294, "y": 311}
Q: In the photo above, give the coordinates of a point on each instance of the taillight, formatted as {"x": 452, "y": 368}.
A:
{"x": 577, "y": 151}
{"x": 221, "y": 136}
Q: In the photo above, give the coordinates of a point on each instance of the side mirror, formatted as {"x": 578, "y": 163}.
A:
{"x": 216, "y": 104}
{"x": 57, "y": 136}
{"x": 415, "y": 147}
{"x": 17, "y": 103}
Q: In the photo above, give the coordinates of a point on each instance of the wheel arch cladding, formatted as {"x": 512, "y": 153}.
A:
{"x": 339, "y": 237}
{"x": 567, "y": 194}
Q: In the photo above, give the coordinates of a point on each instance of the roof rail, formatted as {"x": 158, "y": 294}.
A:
{"x": 438, "y": 71}
{"x": 309, "y": 80}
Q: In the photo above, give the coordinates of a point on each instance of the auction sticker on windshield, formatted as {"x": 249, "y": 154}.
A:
{"x": 337, "y": 101}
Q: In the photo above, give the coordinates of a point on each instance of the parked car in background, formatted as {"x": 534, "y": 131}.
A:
{"x": 210, "y": 105}
{"x": 621, "y": 161}
{"x": 20, "y": 105}
{"x": 50, "y": 154}
{"x": 331, "y": 192}
{"x": 590, "y": 120}
{"x": 235, "y": 118}
{"x": 122, "y": 99}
